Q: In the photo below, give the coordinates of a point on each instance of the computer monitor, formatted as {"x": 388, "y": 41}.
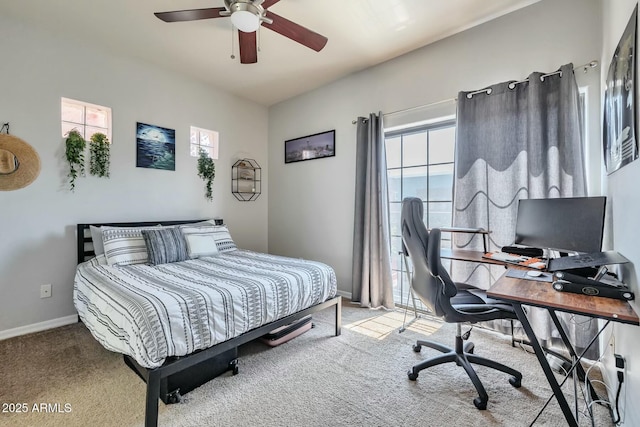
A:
{"x": 573, "y": 224}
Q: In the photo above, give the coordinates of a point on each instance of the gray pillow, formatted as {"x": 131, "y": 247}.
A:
{"x": 165, "y": 245}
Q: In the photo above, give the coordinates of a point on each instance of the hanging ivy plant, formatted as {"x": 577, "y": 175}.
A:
{"x": 99, "y": 159}
{"x": 206, "y": 171}
{"x": 75, "y": 145}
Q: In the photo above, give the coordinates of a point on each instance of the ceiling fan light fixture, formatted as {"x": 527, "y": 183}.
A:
{"x": 245, "y": 17}
{"x": 245, "y": 21}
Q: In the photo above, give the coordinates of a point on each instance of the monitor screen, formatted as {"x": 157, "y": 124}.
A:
{"x": 565, "y": 224}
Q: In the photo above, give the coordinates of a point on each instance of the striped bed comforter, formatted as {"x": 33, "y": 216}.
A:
{"x": 154, "y": 312}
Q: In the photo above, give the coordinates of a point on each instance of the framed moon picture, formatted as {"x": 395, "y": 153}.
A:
{"x": 155, "y": 147}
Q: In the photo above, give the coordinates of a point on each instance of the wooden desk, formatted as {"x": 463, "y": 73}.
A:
{"x": 470, "y": 256}
{"x": 521, "y": 292}
{"x": 541, "y": 294}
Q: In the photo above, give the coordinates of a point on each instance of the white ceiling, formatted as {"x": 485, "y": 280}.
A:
{"x": 361, "y": 33}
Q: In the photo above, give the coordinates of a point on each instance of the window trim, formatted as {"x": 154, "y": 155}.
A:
{"x": 86, "y": 105}
{"x": 215, "y": 147}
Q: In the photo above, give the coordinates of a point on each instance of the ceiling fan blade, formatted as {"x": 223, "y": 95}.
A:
{"x": 248, "y": 49}
{"x": 295, "y": 32}
{"x": 269, "y": 3}
{"x": 190, "y": 15}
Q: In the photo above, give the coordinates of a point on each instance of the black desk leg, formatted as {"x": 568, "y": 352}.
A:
{"x": 153, "y": 394}
{"x": 557, "y": 391}
{"x": 572, "y": 352}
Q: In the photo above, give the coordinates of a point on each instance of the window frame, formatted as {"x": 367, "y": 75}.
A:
{"x": 83, "y": 126}
{"x": 215, "y": 146}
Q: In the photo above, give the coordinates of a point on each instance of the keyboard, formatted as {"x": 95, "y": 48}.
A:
{"x": 505, "y": 257}
{"x": 521, "y": 260}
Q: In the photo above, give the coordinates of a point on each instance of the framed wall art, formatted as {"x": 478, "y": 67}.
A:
{"x": 310, "y": 147}
{"x": 155, "y": 147}
{"x": 620, "y": 142}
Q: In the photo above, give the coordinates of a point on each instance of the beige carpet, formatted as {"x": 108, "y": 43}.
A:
{"x": 317, "y": 379}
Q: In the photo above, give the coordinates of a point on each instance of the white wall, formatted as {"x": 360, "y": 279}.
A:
{"x": 37, "y": 234}
{"x": 311, "y": 203}
{"x": 624, "y": 198}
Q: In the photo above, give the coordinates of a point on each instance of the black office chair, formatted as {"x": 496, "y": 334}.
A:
{"x": 454, "y": 302}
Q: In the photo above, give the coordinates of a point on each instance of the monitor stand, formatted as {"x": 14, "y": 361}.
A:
{"x": 585, "y": 261}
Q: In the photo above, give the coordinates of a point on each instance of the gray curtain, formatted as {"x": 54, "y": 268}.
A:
{"x": 372, "y": 282}
{"x": 517, "y": 141}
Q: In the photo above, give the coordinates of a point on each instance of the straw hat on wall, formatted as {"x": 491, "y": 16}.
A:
{"x": 19, "y": 163}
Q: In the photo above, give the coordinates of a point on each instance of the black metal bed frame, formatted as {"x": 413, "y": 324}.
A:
{"x": 153, "y": 377}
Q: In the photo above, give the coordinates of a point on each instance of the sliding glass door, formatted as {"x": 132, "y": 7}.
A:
{"x": 419, "y": 164}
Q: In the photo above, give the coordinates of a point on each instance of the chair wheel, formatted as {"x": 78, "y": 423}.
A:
{"x": 412, "y": 376}
{"x": 417, "y": 348}
{"x": 516, "y": 382}
{"x": 480, "y": 404}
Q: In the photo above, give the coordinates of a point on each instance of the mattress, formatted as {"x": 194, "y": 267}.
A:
{"x": 153, "y": 312}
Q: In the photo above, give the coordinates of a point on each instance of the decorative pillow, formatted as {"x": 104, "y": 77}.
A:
{"x": 125, "y": 246}
{"x": 207, "y": 240}
{"x": 96, "y": 237}
{"x": 200, "y": 241}
{"x": 165, "y": 245}
{"x": 224, "y": 242}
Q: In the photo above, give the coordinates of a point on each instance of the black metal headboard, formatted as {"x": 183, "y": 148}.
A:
{"x": 85, "y": 243}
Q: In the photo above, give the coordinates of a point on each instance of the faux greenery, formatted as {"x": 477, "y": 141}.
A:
{"x": 99, "y": 155}
{"x": 206, "y": 171}
{"x": 75, "y": 145}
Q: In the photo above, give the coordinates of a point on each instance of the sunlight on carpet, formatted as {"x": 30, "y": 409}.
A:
{"x": 383, "y": 325}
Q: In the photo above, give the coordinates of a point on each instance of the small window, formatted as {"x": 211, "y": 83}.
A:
{"x": 86, "y": 118}
{"x": 203, "y": 139}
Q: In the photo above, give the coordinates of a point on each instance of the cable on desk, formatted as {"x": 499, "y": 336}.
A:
{"x": 577, "y": 361}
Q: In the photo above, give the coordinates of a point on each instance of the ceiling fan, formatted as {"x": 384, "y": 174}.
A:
{"x": 247, "y": 16}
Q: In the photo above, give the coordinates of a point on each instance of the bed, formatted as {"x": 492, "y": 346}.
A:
{"x": 168, "y": 317}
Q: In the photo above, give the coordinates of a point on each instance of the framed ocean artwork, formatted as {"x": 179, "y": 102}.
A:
{"x": 155, "y": 147}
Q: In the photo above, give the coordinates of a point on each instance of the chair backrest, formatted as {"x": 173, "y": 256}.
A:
{"x": 430, "y": 281}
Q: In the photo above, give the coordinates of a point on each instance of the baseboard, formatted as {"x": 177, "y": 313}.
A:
{"x": 38, "y": 327}
{"x": 344, "y": 294}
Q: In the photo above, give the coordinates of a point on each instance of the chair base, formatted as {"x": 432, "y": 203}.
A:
{"x": 463, "y": 356}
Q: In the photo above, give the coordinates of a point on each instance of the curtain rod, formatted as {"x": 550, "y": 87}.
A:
{"x": 585, "y": 67}
{"x": 417, "y": 107}
{"x": 512, "y": 85}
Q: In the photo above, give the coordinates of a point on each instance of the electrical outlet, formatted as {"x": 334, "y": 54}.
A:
{"x": 45, "y": 291}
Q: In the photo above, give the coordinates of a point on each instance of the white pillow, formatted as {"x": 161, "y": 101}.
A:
{"x": 201, "y": 244}
{"x": 125, "y": 245}
{"x": 224, "y": 242}
{"x": 207, "y": 240}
